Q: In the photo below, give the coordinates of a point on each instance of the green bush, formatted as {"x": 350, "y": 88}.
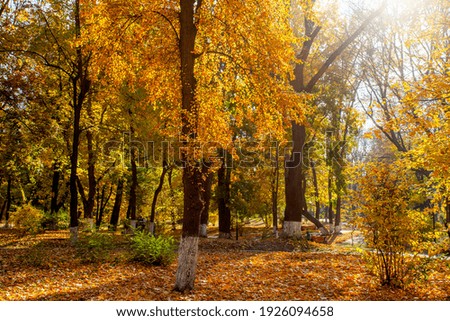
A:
{"x": 94, "y": 247}
{"x": 55, "y": 221}
{"x": 29, "y": 218}
{"x": 153, "y": 250}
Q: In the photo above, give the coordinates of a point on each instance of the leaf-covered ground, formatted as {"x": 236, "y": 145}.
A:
{"x": 46, "y": 267}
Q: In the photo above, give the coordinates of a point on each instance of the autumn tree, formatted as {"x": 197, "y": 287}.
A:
{"x": 305, "y": 81}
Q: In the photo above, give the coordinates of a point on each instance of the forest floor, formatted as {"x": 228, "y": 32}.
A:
{"x": 47, "y": 267}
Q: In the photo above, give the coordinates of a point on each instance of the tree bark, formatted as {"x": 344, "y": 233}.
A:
{"x": 132, "y": 203}
{"x": 330, "y": 200}
{"x": 155, "y": 197}
{"x": 294, "y": 192}
{"x": 80, "y": 88}
{"x": 192, "y": 174}
{"x": 337, "y": 221}
{"x": 295, "y": 207}
{"x": 447, "y": 210}
{"x": 275, "y": 182}
{"x": 114, "y": 221}
{"x": 92, "y": 184}
{"x": 206, "y": 197}
{"x": 316, "y": 190}
{"x": 223, "y": 198}
{"x": 8, "y": 201}
{"x": 101, "y": 205}
{"x": 55, "y": 189}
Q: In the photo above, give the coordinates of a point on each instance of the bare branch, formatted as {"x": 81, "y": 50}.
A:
{"x": 341, "y": 48}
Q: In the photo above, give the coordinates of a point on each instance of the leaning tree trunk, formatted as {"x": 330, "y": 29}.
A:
{"x": 192, "y": 174}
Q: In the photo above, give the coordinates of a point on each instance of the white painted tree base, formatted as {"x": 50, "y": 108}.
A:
{"x": 151, "y": 228}
{"x": 337, "y": 229}
{"x": 223, "y": 235}
{"x": 203, "y": 230}
{"x": 187, "y": 263}
{"x": 73, "y": 234}
{"x": 90, "y": 223}
{"x": 292, "y": 229}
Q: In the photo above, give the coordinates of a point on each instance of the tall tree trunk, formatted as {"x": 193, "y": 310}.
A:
{"x": 117, "y": 204}
{"x": 101, "y": 205}
{"x": 206, "y": 197}
{"x": 294, "y": 192}
{"x": 7, "y": 205}
{"x": 155, "y": 197}
{"x": 192, "y": 174}
{"x": 337, "y": 221}
{"x": 316, "y": 190}
{"x": 55, "y": 188}
{"x": 172, "y": 199}
{"x": 2, "y": 210}
{"x": 330, "y": 199}
{"x": 275, "y": 183}
{"x": 447, "y": 215}
{"x": 92, "y": 184}
{"x": 73, "y": 175}
{"x": 293, "y": 165}
{"x": 132, "y": 203}
{"x": 223, "y": 197}
{"x": 80, "y": 88}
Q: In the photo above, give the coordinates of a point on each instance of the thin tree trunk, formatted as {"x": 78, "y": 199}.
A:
{"x": 172, "y": 199}
{"x": 337, "y": 221}
{"x": 206, "y": 197}
{"x": 80, "y": 86}
{"x": 73, "y": 174}
{"x": 223, "y": 197}
{"x": 101, "y": 208}
{"x": 92, "y": 184}
{"x": 330, "y": 199}
{"x": 155, "y": 197}
{"x": 316, "y": 189}
{"x": 114, "y": 221}
{"x": 275, "y": 182}
{"x": 2, "y": 210}
{"x": 132, "y": 203}
{"x": 8, "y": 201}
{"x": 55, "y": 189}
